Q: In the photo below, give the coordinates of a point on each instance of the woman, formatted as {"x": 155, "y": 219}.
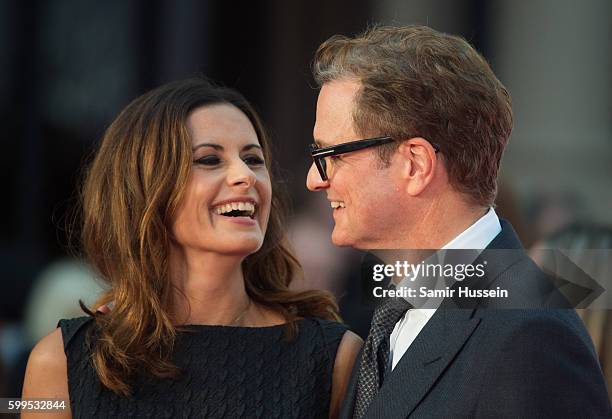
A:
{"x": 180, "y": 219}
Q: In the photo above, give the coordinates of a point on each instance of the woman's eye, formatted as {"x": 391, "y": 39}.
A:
{"x": 253, "y": 160}
{"x": 208, "y": 160}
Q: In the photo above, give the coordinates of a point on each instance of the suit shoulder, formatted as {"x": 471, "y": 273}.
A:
{"x": 547, "y": 359}
{"x": 536, "y": 323}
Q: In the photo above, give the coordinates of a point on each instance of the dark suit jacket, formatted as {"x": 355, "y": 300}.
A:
{"x": 481, "y": 362}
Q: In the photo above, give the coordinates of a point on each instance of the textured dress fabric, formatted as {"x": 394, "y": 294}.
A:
{"x": 228, "y": 372}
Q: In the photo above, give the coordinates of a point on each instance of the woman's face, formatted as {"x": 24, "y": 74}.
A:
{"x": 227, "y": 202}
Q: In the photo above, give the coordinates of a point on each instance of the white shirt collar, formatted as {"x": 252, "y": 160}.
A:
{"x": 479, "y": 234}
{"x": 477, "y": 237}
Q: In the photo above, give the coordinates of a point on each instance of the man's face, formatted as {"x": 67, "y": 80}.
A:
{"x": 362, "y": 193}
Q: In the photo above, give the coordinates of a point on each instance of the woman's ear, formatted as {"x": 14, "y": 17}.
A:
{"x": 419, "y": 162}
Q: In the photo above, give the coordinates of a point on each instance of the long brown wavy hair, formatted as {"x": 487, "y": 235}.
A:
{"x": 129, "y": 196}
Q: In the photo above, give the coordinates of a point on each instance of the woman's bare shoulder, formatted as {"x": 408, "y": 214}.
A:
{"x": 348, "y": 350}
{"x": 46, "y": 374}
{"x": 49, "y": 351}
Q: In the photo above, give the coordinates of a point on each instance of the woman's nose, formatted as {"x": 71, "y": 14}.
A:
{"x": 241, "y": 175}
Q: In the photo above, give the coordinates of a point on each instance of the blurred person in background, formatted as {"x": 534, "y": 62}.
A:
{"x": 326, "y": 266}
{"x": 411, "y": 125}
{"x": 584, "y": 244}
{"x": 54, "y": 294}
{"x": 550, "y": 212}
{"x": 180, "y": 219}
{"x": 15, "y": 282}
{"x": 323, "y": 264}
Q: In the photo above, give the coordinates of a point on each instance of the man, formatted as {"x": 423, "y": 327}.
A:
{"x": 435, "y": 120}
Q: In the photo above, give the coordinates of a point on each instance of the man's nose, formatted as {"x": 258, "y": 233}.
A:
{"x": 314, "y": 181}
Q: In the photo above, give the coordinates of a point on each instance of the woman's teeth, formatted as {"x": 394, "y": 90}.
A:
{"x": 236, "y": 209}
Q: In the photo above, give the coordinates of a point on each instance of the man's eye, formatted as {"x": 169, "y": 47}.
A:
{"x": 208, "y": 160}
{"x": 253, "y": 160}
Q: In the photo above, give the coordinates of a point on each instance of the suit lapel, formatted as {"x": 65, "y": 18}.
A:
{"x": 438, "y": 343}
{"x": 430, "y": 353}
{"x": 433, "y": 349}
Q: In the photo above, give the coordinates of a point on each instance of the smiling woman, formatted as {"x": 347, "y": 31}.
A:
{"x": 229, "y": 173}
{"x": 180, "y": 218}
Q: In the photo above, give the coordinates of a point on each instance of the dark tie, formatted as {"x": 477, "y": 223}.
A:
{"x": 376, "y": 352}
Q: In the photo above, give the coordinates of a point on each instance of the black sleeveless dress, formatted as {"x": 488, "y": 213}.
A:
{"x": 229, "y": 372}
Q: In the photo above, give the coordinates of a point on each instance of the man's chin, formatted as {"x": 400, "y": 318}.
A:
{"x": 341, "y": 240}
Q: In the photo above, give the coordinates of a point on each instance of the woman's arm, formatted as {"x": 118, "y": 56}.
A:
{"x": 46, "y": 375}
{"x": 349, "y": 348}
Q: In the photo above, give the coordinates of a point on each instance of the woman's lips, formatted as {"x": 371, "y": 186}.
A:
{"x": 246, "y": 221}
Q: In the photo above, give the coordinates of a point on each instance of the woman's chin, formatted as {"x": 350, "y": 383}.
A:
{"x": 243, "y": 247}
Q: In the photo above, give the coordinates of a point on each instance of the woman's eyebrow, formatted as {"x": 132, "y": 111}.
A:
{"x": 250, "y": 146}
{"x": 220, "y": 147}
{"x": 215, "y": 146}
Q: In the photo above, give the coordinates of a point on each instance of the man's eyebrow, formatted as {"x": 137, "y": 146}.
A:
{"x": 321, "y": 143}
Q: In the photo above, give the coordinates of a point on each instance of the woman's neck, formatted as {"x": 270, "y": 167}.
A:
{"x": 208, "y": 288}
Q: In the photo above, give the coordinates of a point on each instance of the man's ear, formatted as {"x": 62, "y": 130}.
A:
{"x": 419, "y": 162}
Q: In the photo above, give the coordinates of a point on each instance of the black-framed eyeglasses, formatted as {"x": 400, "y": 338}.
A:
{"x": 320, "y": 154}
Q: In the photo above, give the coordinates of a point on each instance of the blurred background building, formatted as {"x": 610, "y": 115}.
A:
{"x": 68, "y": 67}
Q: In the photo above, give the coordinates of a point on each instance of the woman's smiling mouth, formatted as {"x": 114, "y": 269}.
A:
{"x": 236, "y": 209}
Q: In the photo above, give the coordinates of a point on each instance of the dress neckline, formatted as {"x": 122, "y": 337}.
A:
{"x": 221, "y": 326}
